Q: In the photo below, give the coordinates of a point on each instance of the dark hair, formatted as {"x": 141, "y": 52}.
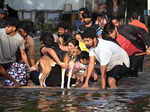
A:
{"x": 12, "y": 21}
{"x": 108, "y": 28}
{"x": 87, "y": 15}
{"x": 83, "y": 55}
{"x": 75, "y": 43}
{"x": 83, "y": 9}
{"x": 115, "y": 17}
{"x": 27, "y": 26}
{"x": 134, "y": 15}
{"x": 63, "y": 25}
{"x": 89, "y": 33}
{"x": 47, "y": 39}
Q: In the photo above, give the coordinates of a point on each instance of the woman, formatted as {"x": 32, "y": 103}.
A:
{"x": 50, "y": 48}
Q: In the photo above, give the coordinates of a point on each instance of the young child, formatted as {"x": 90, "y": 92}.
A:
{"x": 19, "y": 71}
{"x": 80, "y": 68}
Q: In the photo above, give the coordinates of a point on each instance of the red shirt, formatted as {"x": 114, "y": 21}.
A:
{"x": 139, "y": 24}
{"x": 127, "y": 45}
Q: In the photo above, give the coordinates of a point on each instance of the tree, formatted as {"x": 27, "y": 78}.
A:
{"x": 116, "y": 8}
{"x": 136, "y": 5}
{"x": 1, "y": 3}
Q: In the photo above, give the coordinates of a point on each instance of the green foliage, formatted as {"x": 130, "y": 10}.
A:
{"x": 48, "y": 27}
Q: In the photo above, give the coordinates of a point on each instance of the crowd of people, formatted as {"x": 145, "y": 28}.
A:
{"x": 117, "y": 49}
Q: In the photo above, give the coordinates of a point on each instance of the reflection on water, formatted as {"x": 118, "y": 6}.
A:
{"x": 132, "y": 96}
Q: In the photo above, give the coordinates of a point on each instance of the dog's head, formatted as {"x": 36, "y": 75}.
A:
{"x": 74, "y": 52}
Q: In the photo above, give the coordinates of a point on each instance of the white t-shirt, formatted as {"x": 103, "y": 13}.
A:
{"x": 110, "y": 54}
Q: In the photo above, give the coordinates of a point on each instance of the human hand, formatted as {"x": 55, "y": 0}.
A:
{"x": 63, "y": 65}
{"x": 148, "y": 51}
{"x": 33, "y": 68}
{"x": 85, "y": 85}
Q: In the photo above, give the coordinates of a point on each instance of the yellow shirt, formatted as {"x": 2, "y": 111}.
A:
{"x": 83, "y": 46}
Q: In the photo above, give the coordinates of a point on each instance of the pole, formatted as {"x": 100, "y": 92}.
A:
{"x": 93, "y": 3}
{"x": 148, "y": 7}
{"x": 84, "y": 5}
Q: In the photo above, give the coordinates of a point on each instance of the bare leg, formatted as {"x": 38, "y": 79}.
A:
{"x": 95, "y": 76}
{"x": 71, "y": 65}
{"x": 63, "y": 78}
{"x": 69, "y": 79}
{"x": 5, "y": 74}
{"x": 112, "y": 83}
{"x": 41, "y": 79}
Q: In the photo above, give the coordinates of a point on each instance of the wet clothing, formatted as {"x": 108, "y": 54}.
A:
{"x": 118, "y": 72}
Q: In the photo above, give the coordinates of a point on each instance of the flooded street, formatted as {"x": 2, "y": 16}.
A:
{"x": 43, "y": 40}
{"x": 133, "y": 95}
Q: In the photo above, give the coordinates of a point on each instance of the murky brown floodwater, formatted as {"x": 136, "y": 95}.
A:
{"x": 133, "y": 95}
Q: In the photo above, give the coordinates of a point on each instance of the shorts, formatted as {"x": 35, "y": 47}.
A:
{"x": 118, "y": 72}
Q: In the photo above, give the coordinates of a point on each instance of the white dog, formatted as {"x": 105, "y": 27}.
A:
{"x": 70, "y": 59}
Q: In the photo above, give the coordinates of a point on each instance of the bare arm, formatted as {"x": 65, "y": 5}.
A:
{"x": 103, "y": 76}
{"x": 24, "y": 57}
{"x": 52, "y": 53}
{"x": 89, "y": 71}
{"x": 32, "y": 52}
